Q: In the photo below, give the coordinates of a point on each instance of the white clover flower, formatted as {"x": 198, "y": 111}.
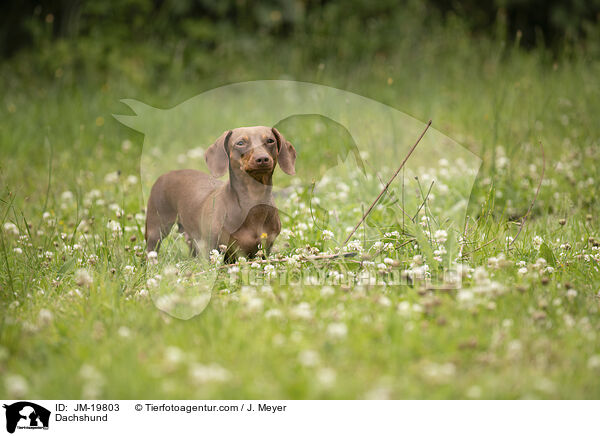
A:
{"x": 112, "y": 177}
{"x": 174, "y": 355}
{"x": 124, "y": 332}
{"x": 129, "y": 269}
{"x": 286, "y": 234}
{"x": 354, "y": 245}
{"x": 309, "y": 358}
{"x": 254, "y": 304}
{"x": 327, "y": 235}
{"x": 18, "y": 250}
{"x": 464, "y": 295}
{"x": 537, "y": 242}
{"x": 571, "y": 294}
{"x": 142, "y": 293}
{"x": 522, "y": 271}
{"x": 594, "y": 362}
{"x": 302, "y": 311}
{"x": 440, "y": 236}
{"x": 83, "y": 278}
{"x": 384, "y": 301}
{"x": 115, "y": 227}
{"x": 480, "y": 275}
{"x": 212, "y": 373}
{"x": 132, "y": 180}
{"x": 337, "y": 330}
{"x": 11, "y": 228}
{"x": 273, "y": 313}
{"x": 16, "y": 386}
{"x": 326, "y": 377}
{"x": 45, "y": 317}
{"x": 152, "y": 255}
{"x": 327, "y": 291}
{"x": 152, "y": 283}
{"x": 67, "y": 196}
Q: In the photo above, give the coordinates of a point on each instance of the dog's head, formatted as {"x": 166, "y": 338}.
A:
{"x": 251, "y": 150}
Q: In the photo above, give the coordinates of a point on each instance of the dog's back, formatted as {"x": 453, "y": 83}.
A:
{"x": 175, "y": 195}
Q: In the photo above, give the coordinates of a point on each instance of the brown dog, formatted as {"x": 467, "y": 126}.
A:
{"x": 240, "y": 213}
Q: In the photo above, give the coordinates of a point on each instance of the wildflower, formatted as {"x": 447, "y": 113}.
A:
{"x": 327, "y": 291}
{"x": 152, "y": 283}
{"x": 309, "y": 358}
{"x": 594, "y": 362}
{"x": 16, "y": 386}
{"x": 522, "y": 271}
{"x": 215, "y": 256}
{"x": 213, "y": 372}
{"x": 326, "y": 376}
{"x": 480, "y": 275}
{"x": 129, "y": 269}
{"x": 537, "y": 242}
{"x": 440, "y": 236}
{"x": 115, "y": 227}
{"x": 83, "y": 278}
{"x": 337, "y": 330}
{"x": 18, "y": 250}
{"x": 273, "y": 313}
{"x": 354, "y": 246}
{"x": 112, "y": 177}
{"x": 45, "y": 317}
{"x": 132, "y": 180}
{"x": 152, "y": 257}
{"x": 286, "y": 234}
{"x": 327, "y": 235}
{"x": 171, "y": 271}
{"x": 571, "y": 294}
{"x": 124, "y": 332}
{"x": 254, "y": 304}
{"x": 173, "y": 356}
{"x": 302, "y": 311}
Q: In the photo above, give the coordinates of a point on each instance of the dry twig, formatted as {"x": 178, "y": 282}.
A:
{"x": 387, "y": 185}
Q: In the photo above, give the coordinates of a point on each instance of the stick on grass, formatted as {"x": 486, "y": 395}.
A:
{"x": 386, "y": 187}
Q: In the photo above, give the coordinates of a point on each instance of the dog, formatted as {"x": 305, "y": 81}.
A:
{"x": 239, "y": 214}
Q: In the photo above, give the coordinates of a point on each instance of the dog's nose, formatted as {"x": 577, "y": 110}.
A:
{"x": 262, "y": 160}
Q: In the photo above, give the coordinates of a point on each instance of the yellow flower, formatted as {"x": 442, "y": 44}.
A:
{"x": 263, "y": 236}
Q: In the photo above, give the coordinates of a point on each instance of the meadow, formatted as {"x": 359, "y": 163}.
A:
{"x": 77, "y": 315}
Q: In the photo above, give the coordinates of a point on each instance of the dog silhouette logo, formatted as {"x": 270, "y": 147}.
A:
{"x": 26, "y": 415}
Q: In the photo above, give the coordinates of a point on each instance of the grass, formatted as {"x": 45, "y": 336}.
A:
{"x": 78, "y": 321}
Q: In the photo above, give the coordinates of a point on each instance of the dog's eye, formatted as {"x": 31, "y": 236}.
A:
{"x": 239, "y": 143}
{"x": 270, "y": 141}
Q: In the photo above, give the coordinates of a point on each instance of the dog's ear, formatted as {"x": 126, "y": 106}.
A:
{"x": 217, "y": 155}
{"x": 286, "y": 154}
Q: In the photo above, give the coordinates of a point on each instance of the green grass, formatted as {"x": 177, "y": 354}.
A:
{"x": 505, "y": 334}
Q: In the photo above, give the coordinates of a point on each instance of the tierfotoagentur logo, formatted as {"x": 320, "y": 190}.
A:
{"x": 26, "y": 415}
{"x": 368, "y": 190}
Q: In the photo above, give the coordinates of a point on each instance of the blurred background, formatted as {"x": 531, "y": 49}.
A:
{"x": 504, "y": 73}
{"x": 127, "y": 35}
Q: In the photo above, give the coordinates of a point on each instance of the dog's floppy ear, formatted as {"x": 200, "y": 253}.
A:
{"x": 217, "y": 155}
{"x": 286, "y": 154}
